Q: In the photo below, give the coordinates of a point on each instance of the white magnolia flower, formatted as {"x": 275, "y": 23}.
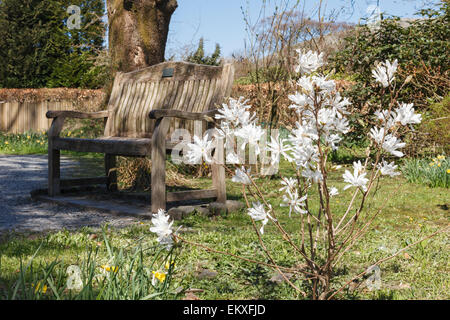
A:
{"x": 162, "y": 228}
{"x": 339, "y": 105}
{"x": 382, "y": 115}
{"x": 314, "y": 175}
{"x": 333, "y": 140}
{"x": 386, "y": 118}
{"x": 309, "y": 61}
{"x": 377, "y": 134}
{"x": 326, "y": 118}
{"x": 235, "y": 112}
{"x": 303, "y": 134}
{"x": 232, "y": 158}
{"x": 258, "y": 213}
{"x": 405, "y": 114}
{"x": 288, "y": 184}
{"x": 358, "y": 166}
{"x": 305, "y": 155}
{"x": 333, "y": 191}
{"x": 306, "y": 84}
{"x": 291, "y": 200}
{"x": 200, "y": 149}
{"x": 300, "y": 99}
{"x": 251, "y": 134}
{"x": 388, "y": 169}
{"x": 341, "y": 125}
{"x": 301, "y": 102}
{"x": 355, "y": 179}
{"x": 242, "y": 176}
{"x": 324, "y": 84}
{"x": 277, "y": 147}
{"x": 391, "y": 144}
{"x": 384, "y": 72}
{"x": 321, "y": 82}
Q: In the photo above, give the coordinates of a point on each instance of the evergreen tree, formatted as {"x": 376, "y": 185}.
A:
{"x": 200, "y": 58}
{"x": 77, "y": 68}
{"x": 31, "y": 41}
{"x": 35, "y": 42}
{"x": 90, "y": 37}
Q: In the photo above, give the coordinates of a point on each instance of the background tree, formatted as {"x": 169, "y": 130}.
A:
{"x": 200, "y": 58}
{"x": 37, "y": 49}
{"x": 138, "y": 32}
{"x": 421, "y": 47}
{"x": 80, "y": 66}
{"x": 31, "y": 41}
{"x": 270, "y": 53}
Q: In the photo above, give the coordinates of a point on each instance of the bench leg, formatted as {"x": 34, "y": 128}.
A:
{"x": 158, "y": 181}
{"x": 218, "y": 172}
{"x": 111, "y": 172}
{"x": 54, "y": 178}
{"x": 159, "y": 165}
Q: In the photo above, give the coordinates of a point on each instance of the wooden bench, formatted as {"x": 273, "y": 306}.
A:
{"x": 144, "y": 107}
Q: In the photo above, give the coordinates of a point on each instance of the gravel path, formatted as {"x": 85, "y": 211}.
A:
{"x": 18, "y": 212}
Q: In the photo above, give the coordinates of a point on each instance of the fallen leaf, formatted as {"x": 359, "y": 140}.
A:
{"x": 190, "y": 296}
{"x": 278, "y": 277}
{"x": 192, "y": 290}
{"x": 404, "y": 286}
{"x": 206, "y": 274}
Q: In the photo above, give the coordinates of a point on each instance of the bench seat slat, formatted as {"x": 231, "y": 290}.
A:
{"x": 110, "y": 145}
{"x": 116, "y": 145}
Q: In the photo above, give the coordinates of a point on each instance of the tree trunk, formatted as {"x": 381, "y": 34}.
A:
{"x": 138, "y": 32}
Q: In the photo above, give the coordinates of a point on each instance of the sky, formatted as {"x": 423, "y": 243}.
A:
{"x": 221, "y": 21}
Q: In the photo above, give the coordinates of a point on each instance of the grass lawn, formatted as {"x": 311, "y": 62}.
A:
{"x": 36, "y": 142}
{"x": 411, "y": 211}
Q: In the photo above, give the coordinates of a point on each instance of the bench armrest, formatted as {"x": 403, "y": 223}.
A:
{"x": 167, "y": 113}
{"x": 77, "y": 114}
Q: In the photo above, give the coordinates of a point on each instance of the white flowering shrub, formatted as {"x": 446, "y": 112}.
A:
{"x": 320, "y": 126}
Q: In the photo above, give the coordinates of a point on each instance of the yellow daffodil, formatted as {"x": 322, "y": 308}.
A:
{"x": 431, "y": 164}
{"x": 39, "y": 288}
{"x": 6, "y": 142}
{"x": 441, "y": 157}
{"x": 105, "y": 267}
{"x": 109, "y": 268}
{"x": 448, "y": 170}
{"x": 439, "y": 164}
{"x": 28, "y": 137}
{"x": 161, "y": 276}
{"x": 167, "y": 265}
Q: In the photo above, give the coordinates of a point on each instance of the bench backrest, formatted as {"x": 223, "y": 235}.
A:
{"x": 169, "y": 85}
